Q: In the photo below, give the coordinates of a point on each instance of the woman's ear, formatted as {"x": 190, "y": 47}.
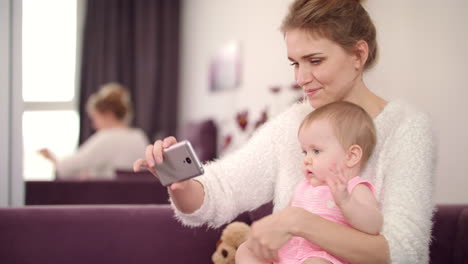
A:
{"x": 361, "y": 51}
{"x": 353, "y": 156}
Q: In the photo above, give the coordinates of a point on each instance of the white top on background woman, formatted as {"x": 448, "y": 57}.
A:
{"x": 330, "y": 44}
{"x": 113, "y": 146}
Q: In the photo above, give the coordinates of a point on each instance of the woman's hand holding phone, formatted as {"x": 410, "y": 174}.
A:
{"x": 187, "y": 195}
{"x": 154, "y": 156}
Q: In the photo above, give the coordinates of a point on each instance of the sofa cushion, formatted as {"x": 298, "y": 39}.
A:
{"x": 101, "y": 234}
{"x": 261, "y": 212}
{"x": 203, "y": 137}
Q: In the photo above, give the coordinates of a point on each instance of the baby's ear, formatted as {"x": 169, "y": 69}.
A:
{"x": 353, "y": 156}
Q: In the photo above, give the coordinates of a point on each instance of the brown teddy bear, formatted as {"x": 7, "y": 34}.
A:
{"x": 232, "y": 237}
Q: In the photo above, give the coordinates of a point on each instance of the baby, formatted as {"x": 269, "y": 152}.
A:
{"x": 337, "y": 140}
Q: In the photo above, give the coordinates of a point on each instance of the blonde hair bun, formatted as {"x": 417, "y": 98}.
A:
{"x": 112, "y": 97}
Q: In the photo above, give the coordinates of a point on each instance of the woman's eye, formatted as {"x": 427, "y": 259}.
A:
{"x": 315, "y": 61}
{"x": 294, "y": 64}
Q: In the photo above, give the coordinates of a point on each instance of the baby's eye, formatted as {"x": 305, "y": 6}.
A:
{"x": 316, "y": 151}
{"x": 304, "y": 152}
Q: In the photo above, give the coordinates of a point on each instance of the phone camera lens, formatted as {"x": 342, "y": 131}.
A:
{"x": 188, "y": 160}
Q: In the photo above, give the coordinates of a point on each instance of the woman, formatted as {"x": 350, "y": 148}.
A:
{"x": 330, "y": 44}
{"x": 113, "y": 146}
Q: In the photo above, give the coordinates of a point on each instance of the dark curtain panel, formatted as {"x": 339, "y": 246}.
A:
{"x": 134, "y": 42}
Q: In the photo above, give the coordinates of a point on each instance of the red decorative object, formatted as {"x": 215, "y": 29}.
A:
{"x": 262, "y": 120}
{"x": 242, "y": 119}
{"x": 295, "y": 86}
{"x": 226, "y": 142}
{"x": 275, "y": 89}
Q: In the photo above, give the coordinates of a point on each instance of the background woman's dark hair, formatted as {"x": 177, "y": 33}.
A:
{"x": 342, "y": 21}
{"x": 114, "y": 98}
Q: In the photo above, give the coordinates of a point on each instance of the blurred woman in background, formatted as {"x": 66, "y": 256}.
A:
{"x": 114, "y": 146}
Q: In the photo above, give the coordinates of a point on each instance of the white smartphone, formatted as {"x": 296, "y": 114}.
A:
{"x": 180, "y": 162}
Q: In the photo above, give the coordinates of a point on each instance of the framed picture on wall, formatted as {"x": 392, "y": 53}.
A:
{"x": 226, "y": 68}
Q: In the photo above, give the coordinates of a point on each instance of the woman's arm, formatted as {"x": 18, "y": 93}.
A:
{"x": 91, "y": 153}
{"x": 357, "y": 202}
{"x": 272, "y": 232}
{"x": 339, "y": 240}
{"x": 187, "y": 196}
{"x": 407, "y": 196}
{"x": 239, "y": 182}
{"x": 362, "y": 211}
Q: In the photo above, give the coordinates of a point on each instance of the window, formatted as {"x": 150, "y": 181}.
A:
{"x": 50, "y": 120}
{"x": 57, "y": 130}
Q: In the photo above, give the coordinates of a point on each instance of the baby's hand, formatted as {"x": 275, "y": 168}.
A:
{"x": 338, "y": 183}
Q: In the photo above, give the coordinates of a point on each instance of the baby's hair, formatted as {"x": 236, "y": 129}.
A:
{"x": 351, "y": 123}
{"x": 111, "y": 97}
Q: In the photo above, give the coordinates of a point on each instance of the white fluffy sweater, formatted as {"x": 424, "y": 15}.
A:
{"x": 269, "y": 166}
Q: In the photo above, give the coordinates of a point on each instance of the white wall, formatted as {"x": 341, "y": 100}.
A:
{"x": 207, "y": 26}
{"x": 423, "y": 59}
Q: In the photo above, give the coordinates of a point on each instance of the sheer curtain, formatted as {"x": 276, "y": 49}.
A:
{"x": 135, "y": 43}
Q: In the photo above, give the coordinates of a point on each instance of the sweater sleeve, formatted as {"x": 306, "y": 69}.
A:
{"x": 92, "y": 153}
{"x": 241, "y": 181}
{"x": 407, "y": 203}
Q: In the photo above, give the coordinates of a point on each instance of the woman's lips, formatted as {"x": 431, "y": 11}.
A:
{"x": 311, "y": 92}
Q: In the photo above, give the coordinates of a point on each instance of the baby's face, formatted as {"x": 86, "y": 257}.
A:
{"x": 322, "y": 150}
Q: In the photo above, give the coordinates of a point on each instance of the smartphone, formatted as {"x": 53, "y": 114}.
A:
{"x": 180, "y": 162}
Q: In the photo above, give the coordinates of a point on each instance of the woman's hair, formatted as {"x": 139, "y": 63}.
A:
{"x": 342, "y": 21}
{"x": 351, "y": 123}
{"x": 114, "y": 98}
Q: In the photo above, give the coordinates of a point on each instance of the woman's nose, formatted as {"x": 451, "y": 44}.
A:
{"x": 303, "y": 76}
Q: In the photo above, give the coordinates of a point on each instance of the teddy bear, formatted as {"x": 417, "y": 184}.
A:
{"x": 233, "y": 235}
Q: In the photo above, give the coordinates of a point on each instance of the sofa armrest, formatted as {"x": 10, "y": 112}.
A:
{"x": 449, "y": 234}
{"x": 123, "y": 191}
{"x": 461, "y": 241}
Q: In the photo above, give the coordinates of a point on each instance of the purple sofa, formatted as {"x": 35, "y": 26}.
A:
{"x": 140, "y": 234}
{"x": 125, "y": 190}
{"x": 150, "y": 234}
{"x": 450, "y": 235}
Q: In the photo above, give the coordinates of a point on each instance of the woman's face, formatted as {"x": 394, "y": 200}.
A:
{"x": 325, "y": 71}
{"x": 98, "y": 119}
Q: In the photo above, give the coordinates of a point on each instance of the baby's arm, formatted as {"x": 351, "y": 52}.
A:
{"x": 361, "y": 210}
{"x": 359, "y": 207}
